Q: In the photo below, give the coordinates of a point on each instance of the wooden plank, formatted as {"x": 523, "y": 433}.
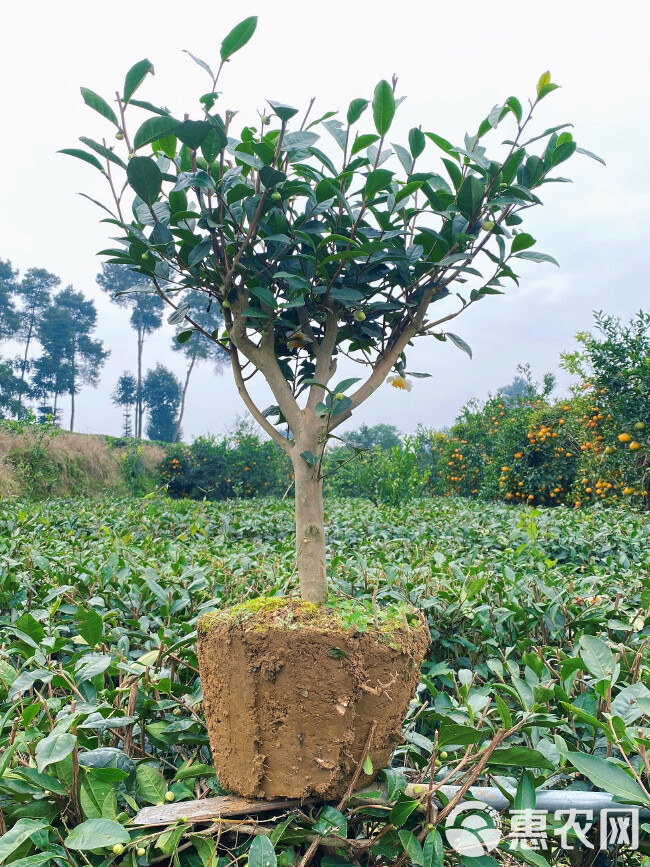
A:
{"x": 229, "y": 806}
{"x": 208, "y": 809}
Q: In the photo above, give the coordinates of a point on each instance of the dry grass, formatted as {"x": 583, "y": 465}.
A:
{"x": 37, "y": 462}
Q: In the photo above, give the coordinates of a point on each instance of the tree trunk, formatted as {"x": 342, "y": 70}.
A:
{"x": 73, "y": 388}
{"x": 177, "y": 429}
{"x": 23, "y": 366}
{"x": 138, "y": 399}
{"x": 310, "y": 530}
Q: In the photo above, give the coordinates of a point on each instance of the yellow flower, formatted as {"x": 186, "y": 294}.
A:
{"x": 398, "y": 381}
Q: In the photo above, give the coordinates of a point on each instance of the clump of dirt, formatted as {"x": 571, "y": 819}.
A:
{"x": 290, "y": 692}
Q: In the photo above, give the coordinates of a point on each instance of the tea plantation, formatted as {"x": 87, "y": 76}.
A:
{"x": 535, "y": 677}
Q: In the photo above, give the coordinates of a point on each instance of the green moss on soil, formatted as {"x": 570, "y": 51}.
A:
{"x": 337, "y": 615}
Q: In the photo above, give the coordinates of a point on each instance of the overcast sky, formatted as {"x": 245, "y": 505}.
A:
{"x": 454, "y": 62}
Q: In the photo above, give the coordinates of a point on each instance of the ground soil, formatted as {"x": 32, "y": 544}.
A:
{"x": 289, "y": 705}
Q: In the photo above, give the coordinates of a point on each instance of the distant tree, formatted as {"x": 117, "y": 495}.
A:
{"x": 8, "y": 285}
{"x": 64, "y": 332}
{"x": 51, "y": 371}
{"x": 196, "y": 347}
{"x": 383, "y": 436}
{"x": 11, "y": 390}
{"x": 516, "y": 389}
{"x": 161, "y": 395}
{"x": 125, "y": 395}
{"x": 146, "y": 314}
{"x": 523, "y": 387}
{"x": 34, "y": 293}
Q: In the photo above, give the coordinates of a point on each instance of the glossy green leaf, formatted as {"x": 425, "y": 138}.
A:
{"x": 459, "y": 342}
{"x": 83, "y": 155}
{"x": 134, "y": 78}
{"x": 238, "y": 37}
{"x": 417, "y": 142}
{"x": 608, "y": 777}
{"x": 362, "y": 142}
{"x": 100, "y": 105}
{"x": 96, "y": 834}
{"x": 153, "y": 129}
{"x": 377, "y": 180}
{"x": 145, "y": 179}
{"x": 356, "y": 109}
{"x": 262, "y": 853}
{"x": 383, "y": 107}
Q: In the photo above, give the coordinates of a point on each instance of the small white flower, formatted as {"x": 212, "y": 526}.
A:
{"x": 398, "y": 381}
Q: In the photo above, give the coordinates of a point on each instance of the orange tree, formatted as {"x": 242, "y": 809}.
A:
{"x": 310, "y": 259}
{"x": 614, "y": 370}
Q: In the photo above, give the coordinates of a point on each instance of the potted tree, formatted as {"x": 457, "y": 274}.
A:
{"x": 317, "y": 256}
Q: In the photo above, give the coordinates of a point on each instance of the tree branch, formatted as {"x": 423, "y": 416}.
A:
{"x": 252, "y": 407}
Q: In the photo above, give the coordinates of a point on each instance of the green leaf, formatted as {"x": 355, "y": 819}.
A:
{"x": 91, "y": 665}
{"x": 525, "y": 796}
{"x": 608, "y": 777}
{"x": 134, "y": 78}
{"x": 402, "y": 809}
{"x": 152, "y": 786}
{"x": 99, "y": 104}
{"x": 544, "y": 79}
{"x": 363, "y": 141}
{"x": 520, "y": 757}
{"x": 145, "y": 179}
{"x": 522, "y": 241}
{"x": 460, "y": 735}
{"x": 341, "y": 406}
{"x": 443, "y": 144}
{"x": 193, "y": 133}
{"x": 154, "y": 129}
{"x": 184, "y": 336}
{"x": 591, "y": 155}
{"x": 597, "y": 656}
{"x": 417, "y": 142}
{"x": 197, "y": 770}
{"x": 344, "y": 384}
{"x": 356, "y": 109}
{"x": 459, "y": 342}
{"x": 538, "y": 257}
{"x": 82, "y": 155}
{"x": 377, "y": 180}
{"x": 103, "y": 151}
{"x": 383, "y": 107}
{"x": 331, "y": 821}
{"x": 27, "y": 679}
{"x": 310, "y": 457}
{"x": 212, "y": 145}
{"x": 284, "y": 112}
{"x": 433, "y": 849}
{"x": 367, "y": 765}
{"x": 19, "y": 834}
{"x": 262, "y": 853}
{"x": 238, "y": 37}
{"x": 37, "y": 860}
{"x": 271, "y": 177}
{"x": 55, "y": 747}
{"x": 200, "y": 62}
{"x": 470, "y": 196}
{"x": 412, "y": 847}
{"x": 97, "y": 834}
{"x": 89, "y": 625}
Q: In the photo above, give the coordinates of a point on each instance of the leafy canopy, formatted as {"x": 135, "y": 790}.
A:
{"x": 312, "y": 248}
